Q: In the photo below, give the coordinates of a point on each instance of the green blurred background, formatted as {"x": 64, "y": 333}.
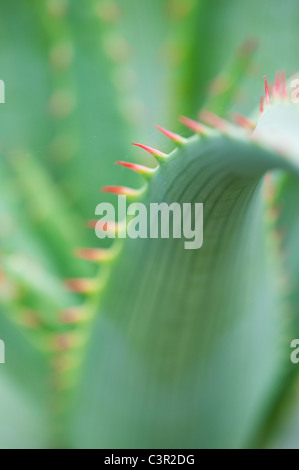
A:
{"x": 84, "y": 80}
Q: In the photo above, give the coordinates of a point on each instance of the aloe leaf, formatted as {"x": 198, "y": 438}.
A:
{"x": 191, "y": 343}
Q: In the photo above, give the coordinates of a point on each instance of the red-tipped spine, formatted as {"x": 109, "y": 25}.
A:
{"x": 141, "y": 169}
{"x": 284, "y": 90}
{"x": 195, "y": 126}
{"x": 104, "y": 226}
{"x": 243, "y": 121}
{"x": 92, "y": 223}
{"x": 121, "y": 190}
{"x": 63, "y": 362}
{"x": 267, "y": 94}
{"x": 66, "y": 341}
{"x": 81, "y": 285}
{"x": 277, "y": 85}
{"x": 94, "y": 254}
{"x": 156, "y": 153}
{"x": 72, "y": 315}
{"x": 261, "y": 105}
{"x": 214, "y": 120}
{"x": 178, "y": 139}
{"x": 30, "y": 319}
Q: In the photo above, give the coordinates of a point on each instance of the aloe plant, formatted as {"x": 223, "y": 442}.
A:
{"x": 141, "y": 343}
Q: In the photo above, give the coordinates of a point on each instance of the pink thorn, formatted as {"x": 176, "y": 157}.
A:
{"x": 93, "y": 254}
{"x": 80, "y": 286}
{"x": 104, "y": 226}
{"x": 171, "y": 135}
{"x": 261, "y": 105}
{"x": 267, "y": 95}
{"x": 269, "y": 187}
{"x": 243, "y": 121}
{"x": 284, "y": 91}
{"x": 92, "y": 223}
{"x": 135, "y": 167}
{"x": 120, "y": 190}
{"x": 31, "y": 319}
{"x": 71, "y": 315}
{"x": 63, "y": 342}
{"x": 214, "y": 120}
{"x": 152, "y": 151}
{"x": 277, "y": 84}
{"x": 193, "y": 125}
